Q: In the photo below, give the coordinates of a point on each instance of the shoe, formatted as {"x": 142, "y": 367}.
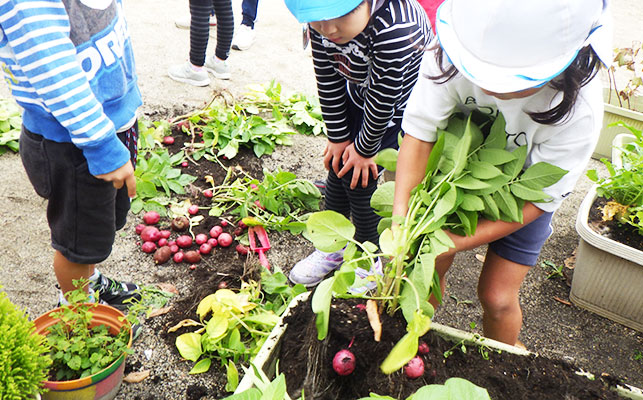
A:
{"x": 312, "y": 269}
{"x": 243, "y": 38}
{"x": 218, "y": 68}
{"x": 184, "y": 21}
{"x": 116, "y": 294}
{"x": 362, "y": 276}
{"x": 186, "y": 74}
{"x": 321, "y": 185}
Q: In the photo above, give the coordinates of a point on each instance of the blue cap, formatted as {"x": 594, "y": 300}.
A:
{"x": 320, "y": 10}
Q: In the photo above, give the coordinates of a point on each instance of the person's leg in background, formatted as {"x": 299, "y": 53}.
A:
{"x": 245, "y": 34}
{"x": 225, "y": 31}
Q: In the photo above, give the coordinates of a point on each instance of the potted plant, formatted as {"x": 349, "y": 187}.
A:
{"x": 24, "y": 359}
{"x": 622, "y": 101}
{"x": 89, "y": 343}
{"x": 608, "y": 273}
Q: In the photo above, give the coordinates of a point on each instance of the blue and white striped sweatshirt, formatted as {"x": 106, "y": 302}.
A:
{"x": 70, "y": 65}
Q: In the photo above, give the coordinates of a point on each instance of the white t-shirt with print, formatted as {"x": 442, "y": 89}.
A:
{"x": 568, "y": 144}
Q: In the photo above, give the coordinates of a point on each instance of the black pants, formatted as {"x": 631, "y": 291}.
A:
{"x": 200, "y": 11}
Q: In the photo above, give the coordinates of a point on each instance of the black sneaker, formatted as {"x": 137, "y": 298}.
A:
{"x": 116, "y": 294}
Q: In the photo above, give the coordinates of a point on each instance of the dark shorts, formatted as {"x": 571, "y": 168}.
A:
{"x": 523, "y": 246}
{"x": 83, "y": 212}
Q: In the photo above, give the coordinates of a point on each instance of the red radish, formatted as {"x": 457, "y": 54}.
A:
{"x": 423, "y": 348}
{"x": 139, "y": 228}
{"x": 344, "y": 362}
{"x": 174, "y": 248}
{"x": 184, "y": 125}
{"x": 150, "y": 234}
{"x": 208, "y": 193}
{"x": 241, "y": 249}
{"x": 184, "y": 164}
{"x": 192, "y": 267}
{"x": 184, "y": 241}
{"x": 168, "y": 140}
{"x": 180, "y": 223}
{"x": 178, "y": 257}
{"x": 253, "y": 186}
{"x": 148, "y": 247}
{"x": 216, "y": 231}
{"x": 162, "y": 255}
{"x": 205, "y": 248}
{"x": 258, "y": 204}
{"x": 192, "y": 257}
{"x": 224, "y": 239}
{"x": 165, "y": 234}
{"x": 414, "y": 368}
{"x": 162, "y": 242}
{"x": 171, "y": 243}
{"x": 193, "y": 209}
{"x": 224, "y": 223}
{"x": 151, "y": 217}
{"x": 238, "y": 231}
{"x": 242, "y": 224}
{"x": 213, "y": 242}
{"x": 201, "y": 238}
{"x": 222, "y": 285}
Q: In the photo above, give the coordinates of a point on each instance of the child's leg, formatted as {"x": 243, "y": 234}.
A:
{"x": 335, "y": 197}
{"x": 498, "y": 289}
{"x": 67, "y": 272}
{"x": 442, "y": 265}
{"x": 225, "y": 27}
{"x": 199, "y": 30}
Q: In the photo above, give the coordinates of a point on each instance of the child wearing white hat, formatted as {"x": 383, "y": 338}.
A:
{"x": 366, "y": 55}
{"x": 535, "y": 62}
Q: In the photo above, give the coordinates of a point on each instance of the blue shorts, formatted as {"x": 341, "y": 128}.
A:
{"x": 524, "y": 245}
{"x": 83, "y": 212}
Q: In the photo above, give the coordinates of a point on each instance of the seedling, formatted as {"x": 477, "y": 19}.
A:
{"x": 458, "y": 301}
{"x": 553, "y": 269}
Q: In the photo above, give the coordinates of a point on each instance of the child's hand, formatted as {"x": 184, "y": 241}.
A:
{"x": 122, "y": 176}
{"x": 362, "y": 167}
{"x": 333, "y": 154}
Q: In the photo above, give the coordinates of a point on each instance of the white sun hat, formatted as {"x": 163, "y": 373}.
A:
{"x": 510, "y": 45}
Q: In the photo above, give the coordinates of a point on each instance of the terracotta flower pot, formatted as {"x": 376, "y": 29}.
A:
{"x": 103, "y": 385}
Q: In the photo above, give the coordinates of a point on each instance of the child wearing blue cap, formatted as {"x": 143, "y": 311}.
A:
{"x": 535, "y": 62}
{"x": 366, "y": 55}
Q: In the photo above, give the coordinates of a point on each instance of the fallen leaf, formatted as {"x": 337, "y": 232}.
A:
{"x": 558, "y": 299}
{"x": 159, "y": 311}
{"x": 374, "y": 319}
{"x": 480, "y": 257}
{"x": 570, "y": 262}
{"x": 185, "y": 322}
{"x": 168, "y": 287}
{"x": 136, "y": 377}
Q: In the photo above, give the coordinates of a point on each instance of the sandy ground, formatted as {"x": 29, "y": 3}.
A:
{"x": 550, "y": 327}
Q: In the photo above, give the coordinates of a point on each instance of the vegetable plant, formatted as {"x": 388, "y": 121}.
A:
{"x": 469, "y": 175}
{"x": 234, "y": 325}
{"x": 624, "y": 185}
{"x": 453, "y": 388}
{"x": 24, "y": 358}
{"x": 10, "y": 123}
{"x": 77, "y": 349}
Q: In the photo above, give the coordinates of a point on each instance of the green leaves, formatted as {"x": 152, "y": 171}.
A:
{"x": 10, "y": 123}
{"x": 329, "y": 231}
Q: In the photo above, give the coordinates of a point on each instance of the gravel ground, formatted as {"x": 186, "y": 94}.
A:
{"x": 550, "y": 328}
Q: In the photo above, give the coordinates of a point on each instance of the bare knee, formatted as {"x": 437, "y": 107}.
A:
{"x": 497, "y": 302}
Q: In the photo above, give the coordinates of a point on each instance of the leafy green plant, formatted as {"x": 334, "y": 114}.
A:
{"x": 264, "y": 388}
{"x": 78, "y": 349}
{"x": 156, "y": 176}
{"x": 233, "y": 326}
{"x": 624, "y": 185}
{"x": 10, "y": 123}
{"x": 468, "y": 175}
{"x": 24, "y": 359}
{"x": 453, "y": 388}
{"x": 553, "y": 270}
{"x": 280, "y": 202}
{"x": 630, "y": 61}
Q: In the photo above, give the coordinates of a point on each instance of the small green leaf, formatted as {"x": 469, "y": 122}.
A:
{"x": 446, "y": 203}
{"x": 189, "y": 346}
{"x": 495, "y": 156}
{"x": 329, "y": 231}
{"x": 387, "y": 159}
{"x": 483, "y": 170}
{"x": 541, "y": 175}
{"x": 471, "y": 202}
{"x": 528, "y": 194}
{"x": 513, "y": 168}
{"x": 232, "y": 374}
{"x": 382, "y": 199}
{"x": 507, "y": 204}
{"x": 402, "y": 352}
{"x": 201, "y": 366}
{"x": 320, "y": 303}
{"x": 469, "y": 182}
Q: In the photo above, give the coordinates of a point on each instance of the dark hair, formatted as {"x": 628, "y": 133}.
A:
{"x": 578, "y": 74}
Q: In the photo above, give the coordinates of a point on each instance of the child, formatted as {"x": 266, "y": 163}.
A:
{"x": 195, "y": 71}
{"x": 534, "y": 61}
{"x": 70, "y": 66}
{"x": 366, "y": 56}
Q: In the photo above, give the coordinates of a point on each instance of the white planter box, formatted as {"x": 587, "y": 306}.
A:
{"x": 614, "y": 113}
{"x": 266, "y": 358}
{"x": 608, "y": 277}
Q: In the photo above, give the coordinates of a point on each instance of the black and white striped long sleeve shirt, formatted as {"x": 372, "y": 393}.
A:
{"x": 376, "y": 71}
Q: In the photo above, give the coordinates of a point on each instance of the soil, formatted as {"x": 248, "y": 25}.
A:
{"x": 625, "y": 234}
{"x": 504, "y": 375}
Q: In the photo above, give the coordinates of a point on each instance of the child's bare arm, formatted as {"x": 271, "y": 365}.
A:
{"x": 122, "y": 176}
{"x": 411, "y": 165}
